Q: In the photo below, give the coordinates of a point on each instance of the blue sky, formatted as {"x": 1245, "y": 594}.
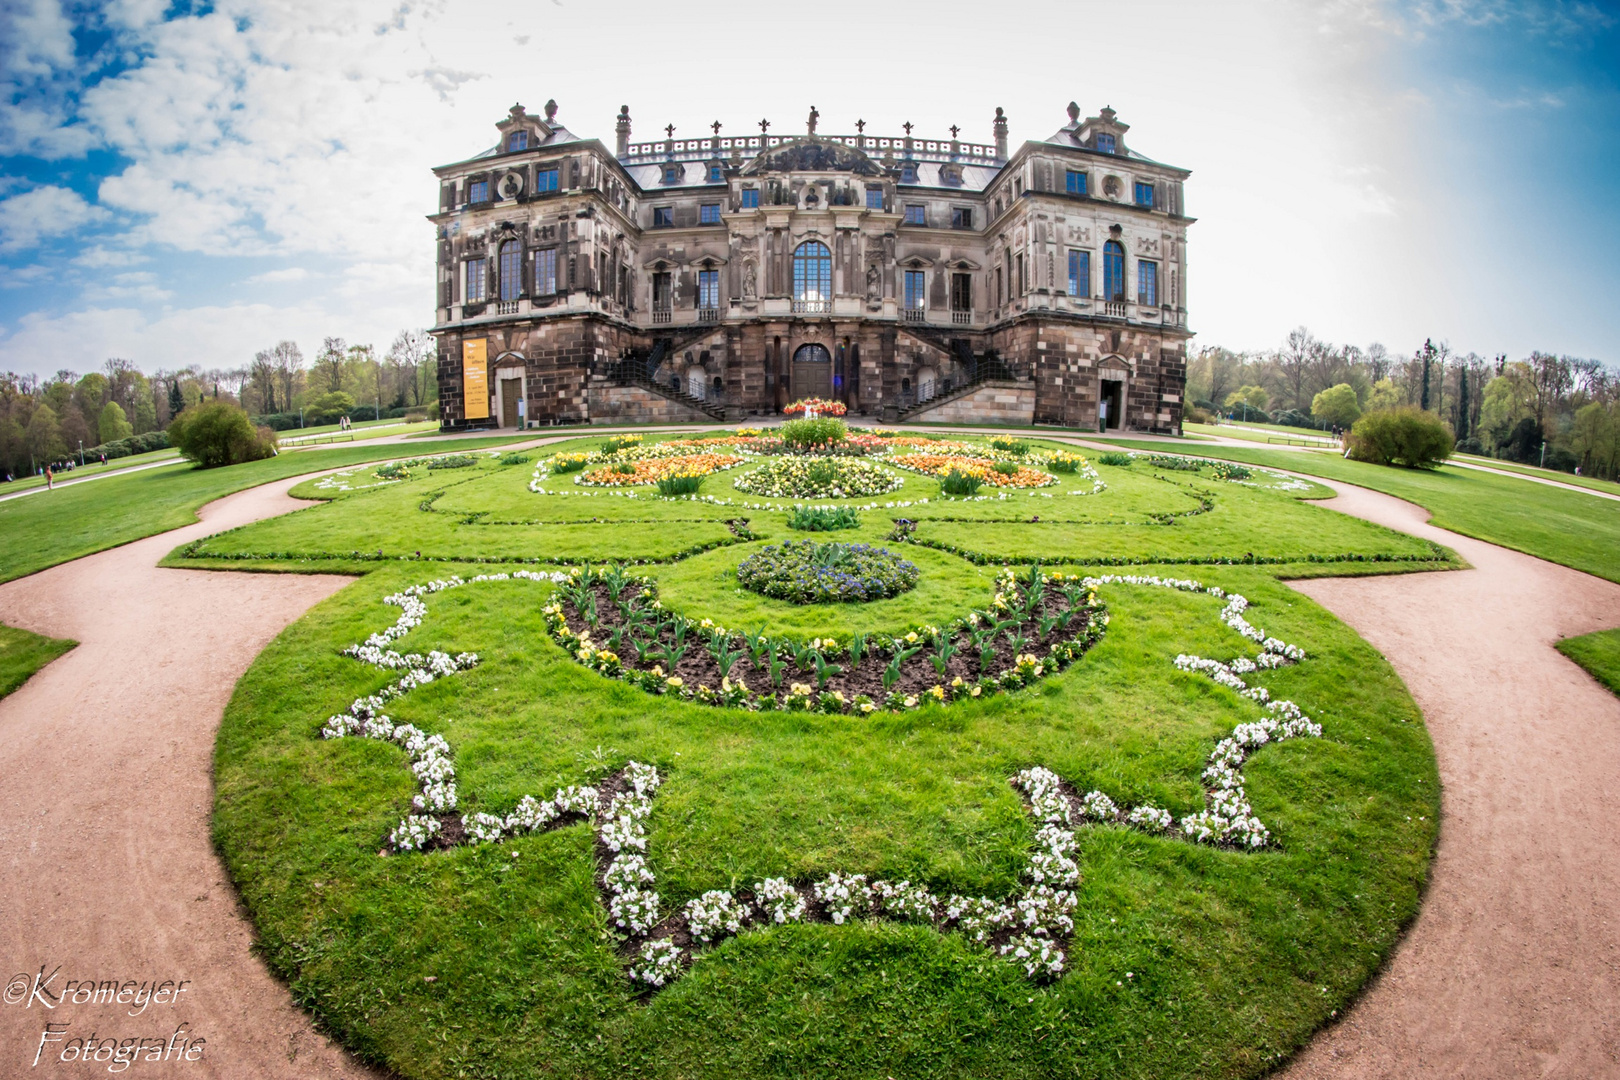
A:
{"x": 189, "y": 183}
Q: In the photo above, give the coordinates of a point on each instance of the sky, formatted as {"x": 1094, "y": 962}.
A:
{"x": 187, "y": 183}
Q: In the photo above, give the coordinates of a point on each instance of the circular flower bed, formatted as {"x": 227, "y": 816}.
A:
{"x": 1021, "y": 476}
{"x": 818, "y": 478}
{"x": 805, "y": 572}
{"x": 650, "y": 470}
{"x": 819, "y": 406}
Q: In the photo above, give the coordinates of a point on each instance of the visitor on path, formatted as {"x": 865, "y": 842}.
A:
{"x": 50, "y": 479}
{"x": 1102, "y": 415}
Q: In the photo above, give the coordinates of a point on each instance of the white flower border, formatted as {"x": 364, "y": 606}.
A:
{"x": 1030, "y": 928}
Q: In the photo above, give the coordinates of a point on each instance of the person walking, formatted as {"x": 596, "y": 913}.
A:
{"x": 49, "y": 479}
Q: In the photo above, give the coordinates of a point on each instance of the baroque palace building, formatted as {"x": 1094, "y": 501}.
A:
{"x": 723, "y": 277}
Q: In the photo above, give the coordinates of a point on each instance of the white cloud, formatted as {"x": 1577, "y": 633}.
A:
{"x": 272, "y": 277}
{"x": 44, "y": 212}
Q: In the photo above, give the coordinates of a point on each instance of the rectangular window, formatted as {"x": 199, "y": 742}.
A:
{"x": 1023, "y": 279}
{"x": 961, "y": 292}
{"x": 961, "y": 217}
{"x": 916, "y": 289}
{"x": 1105, "y": 143}
{"x": 477, "y": 282}
{"x": 511, "y": 280}
{"x": 1079, "y": 273}
{"x": 1075, "y": 183}
{"x": 715, "y": 174}
{"x": 750, "y": 198}
{"x": 478, "y": 191}
{"x": 908, "y": 173}
{"x": 998, "y": 286}
{"x": 874, "y": 198}
{"x": 1147, "y": 282}
{"x": 709, "y": 214}
{"x": 545, "y": 180}
{"x": 518, "y": 141}
{"x": 663, "y": 217}
{"x": 916, "y": 215}
{"x": 661, "y": 292}
{"x": 708, "y": 288}
{"x": 1144, "y": 194}
{"x": 545, "y": 272}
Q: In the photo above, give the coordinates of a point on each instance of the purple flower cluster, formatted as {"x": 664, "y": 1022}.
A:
{"x": 805, "y": 572}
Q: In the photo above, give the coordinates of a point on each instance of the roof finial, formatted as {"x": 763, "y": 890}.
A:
{"x": 907, "y": 126}
{"x": 715, "y": 127}
{"x": 954, "y": 130}
{"x": 763, "y": 124}
{"x": 814, "y": 116}
{"x": 670, "y": 131}
{"x": 1074, "y": 113}
{"x": 551, "y": 110}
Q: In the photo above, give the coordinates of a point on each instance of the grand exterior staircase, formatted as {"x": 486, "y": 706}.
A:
{"x": 635, "y": 369}
{"x": 980, "y": 370}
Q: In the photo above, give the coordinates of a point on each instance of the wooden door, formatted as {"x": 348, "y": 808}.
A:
{"x": 511, "y": 390}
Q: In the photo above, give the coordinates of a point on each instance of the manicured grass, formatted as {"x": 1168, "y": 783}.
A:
{"x": 1564, "y": 527}
{"x": 50, "y": 528}
{"x": 360, "y": 432}
{"x": 1598, "y": 653}
{"x": 92, "y": 469}
{"x": 1259, "y": 433}
{"x": 23, "y": 652}
{"x": 500, "y": 961}
{"x": 1590, "y": 483}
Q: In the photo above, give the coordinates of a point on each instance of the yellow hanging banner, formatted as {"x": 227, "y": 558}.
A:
{"x": 475, "y": 379}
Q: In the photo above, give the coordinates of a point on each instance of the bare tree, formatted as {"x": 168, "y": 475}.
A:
{"x": 329, "y": 363}
{"x": 411, "y": 351}
{"x": 1378, "y": 361}
{"x": 1293, "y": 361}
{"x": 289, "y": 368}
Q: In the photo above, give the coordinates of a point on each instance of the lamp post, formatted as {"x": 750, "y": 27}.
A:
{"x": 81, "y": 452}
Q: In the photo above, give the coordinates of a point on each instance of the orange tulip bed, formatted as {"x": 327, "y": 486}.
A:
{"x": 651, "y": 470}
{"x": 940, "y": 464}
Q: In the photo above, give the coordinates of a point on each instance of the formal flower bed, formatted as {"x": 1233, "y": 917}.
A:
{"x": 818, "y": 478}
{"x": 819, "y": 406}
{"x": 1009, "y": 474}
{"x": 805, "y": 572}
{"x": 650, "y": 469}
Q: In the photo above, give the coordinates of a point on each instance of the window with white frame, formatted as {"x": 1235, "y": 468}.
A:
{"x": 545, "y": 180}
{"x": 708, "y": 288}
{"x": 545, "y": 272}
{"x": 916, "y": 289}
{"x": 1147, "y": 282}
{"x": 1079, "y": 273}
{"x": 477, "y": 290}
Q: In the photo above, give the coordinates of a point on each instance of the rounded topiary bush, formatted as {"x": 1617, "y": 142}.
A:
{"x": 818, "y": 478}
{"x": 805, "y": 572}
{"x": 218, "y": 433}
{"x": 1403, "y": 436}
{"x": 823, "y": 431}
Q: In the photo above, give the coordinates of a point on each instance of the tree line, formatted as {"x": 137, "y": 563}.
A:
{"x": 1561, "y": 411}
{"x": 120, "y": 409}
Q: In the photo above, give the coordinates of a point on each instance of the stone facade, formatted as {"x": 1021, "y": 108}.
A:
{"x": 752, "y": 271}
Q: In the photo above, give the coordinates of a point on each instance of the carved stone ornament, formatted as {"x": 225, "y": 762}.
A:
{"x": 1079, "y": 234}
{"x": 510, "y": 186}
{"x": 1147, "y": 245}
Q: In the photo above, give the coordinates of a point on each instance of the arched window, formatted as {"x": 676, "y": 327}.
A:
{"x": 812, "y": 277}
{"x": 511, "y": 270}
{"x": 1114, "y": 271}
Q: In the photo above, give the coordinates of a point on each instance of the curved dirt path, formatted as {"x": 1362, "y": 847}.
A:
{"x": 107, "y": 755}
{"x": 1512, "y": 967}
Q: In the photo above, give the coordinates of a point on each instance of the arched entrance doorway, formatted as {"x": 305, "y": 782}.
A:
{"x": 697, "y": 382}
{"x": 812, "y": 372}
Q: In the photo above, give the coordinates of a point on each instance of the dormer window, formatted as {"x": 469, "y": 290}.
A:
{"x": 950, "y": 174}
{"x": 518, "y": 140}
{"x": 672, "y": 174}
{"x": 908, "y": 173}
{"x": 1104, "y": 142}
{"x": 716, "y": 176}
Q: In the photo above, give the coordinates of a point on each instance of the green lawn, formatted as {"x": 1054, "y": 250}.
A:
{"x": 52, "y": 527}
{"x": 1598, "y": 653}
{"x": 358, "y": 433}
{"x": 22, "y": 653}
{"x": 499, "y": 960}
{"x": 1257, "y": 432}
{"x": 92, "y": 469}
{"x": 1564, "y": 527}
{"x": 1607, "y": 486}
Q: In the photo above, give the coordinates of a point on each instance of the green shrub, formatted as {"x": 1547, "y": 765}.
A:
{"x": 620, "y": 442}
{"x": 514, "y": 458}
{"x": 1006, "y": 468}
{"x": 1064, "y": 462}
{"x": 1225, "y": 470}
{"x": 453, "y": 461}
{"x": 805, "y": 572}
{"x": 567, "y": 463}
{"x": 329, "y": 407}
{"x": 1405, "y": 436}
{"x": 1176, "y": 464}
{"x": 805, "y": 434}
{"x": 1015, "y": 447}
{"x": 823, "y": 518}
{"x": 1113, "y": 457}
{"x": 959, "y": 483}
{"x": 680, "y": 483}
{"x": 394, "y": 470}
{"x": 218, "y": 433}
{"x": 624, "y": 468}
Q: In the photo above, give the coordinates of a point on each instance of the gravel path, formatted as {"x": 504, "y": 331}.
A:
{"x": 1511, "y": 969}
{"x": 104, "y": 819}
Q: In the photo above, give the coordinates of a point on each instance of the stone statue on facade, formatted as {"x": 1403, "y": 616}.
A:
{"x": 814, "y": 116}
{"x": 750, "y": 281}
{"x": 874, "y": 283}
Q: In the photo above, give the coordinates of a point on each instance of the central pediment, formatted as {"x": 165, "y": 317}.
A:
{"x": 811, "y": 154}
